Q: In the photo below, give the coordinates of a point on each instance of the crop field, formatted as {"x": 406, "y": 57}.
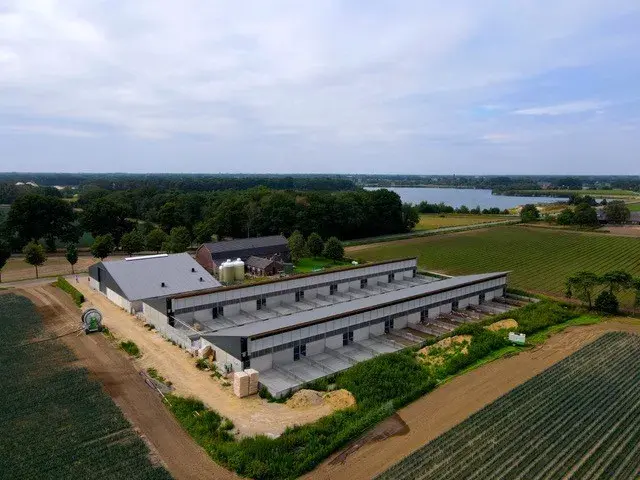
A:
{"x": 539, "y": 259}
{"x": 430, "y": 221}
{"x": 55, "y": 421}
{"x": 578, "y": 419}
{"x": 593, "y": 193}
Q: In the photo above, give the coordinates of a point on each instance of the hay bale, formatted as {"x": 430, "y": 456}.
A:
{"x": 241, "y": 384}
{"x": 253, "y": 380}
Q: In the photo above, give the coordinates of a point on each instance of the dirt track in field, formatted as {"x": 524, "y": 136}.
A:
{"x": 140, "y": 404}
{"x": 454, "y": 401}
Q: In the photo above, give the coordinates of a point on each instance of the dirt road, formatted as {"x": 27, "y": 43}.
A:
{"x": 142, "y": 406}
{"x": 251, "y": 415}
{"x": 450, "y": 404}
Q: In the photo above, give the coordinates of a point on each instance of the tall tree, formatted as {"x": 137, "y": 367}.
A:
{"x": 179, "y": 240}
{"x": 607, "y": 302}
{"x": 529, "y": 213}
{"x": 103, "y": 246}
{"x": 617, "y": 280}
{"x": 566, "y": 217}
{"x": 34, "y": 254}
{"x": 333, "y": 249}
{"x": 617, "y": 212}
{"x": 155, "y": 239}
{"x": 585, "y": 216}
{"x": 315, "y": 245}
{"x": 132, "y": 242}
{"x": 410, "y": 216}
{"x": 33, "y": 217}
{"x": 71, "y": 254}
{"x": 105, "y": 216}
{"x": 582, "y": 285}
{"x": 636, "y": 288}
{"x": 296, "y": 246}
{"x": 5, "y": 254}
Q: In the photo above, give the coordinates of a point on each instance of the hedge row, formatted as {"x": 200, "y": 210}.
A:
{"x": 62, "y": 284}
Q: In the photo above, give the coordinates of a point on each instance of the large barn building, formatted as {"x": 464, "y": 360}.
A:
{"x": 130, "y": 281}
{"x": 212, "y": 255}
{"x": 301, "y": 328}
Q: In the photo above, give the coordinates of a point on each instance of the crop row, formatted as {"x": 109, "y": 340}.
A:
{"x": 579, "y": 418}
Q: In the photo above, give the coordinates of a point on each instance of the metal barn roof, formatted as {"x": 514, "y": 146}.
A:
{"x": 219, "y": 249}
{"x": 258, "y": 262}
{"x": 143, "y": 277}
{"x": 337, "y": 310}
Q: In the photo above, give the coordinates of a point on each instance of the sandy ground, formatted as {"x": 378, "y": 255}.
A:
{"x": 142, "y": 406}
{"x": 628, "y": 231}
{"x": 453, "y": 402}
{"x": 251, "y": 415}
{"x": 17, "y": 269}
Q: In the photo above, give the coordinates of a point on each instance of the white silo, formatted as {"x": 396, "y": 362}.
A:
{"x": 226, "y": 272}
{"x": 238, "y": 270}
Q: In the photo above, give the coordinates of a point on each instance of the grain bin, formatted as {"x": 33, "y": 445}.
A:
{"x": 238, "y": 270}
{"x": 226, "y": 272}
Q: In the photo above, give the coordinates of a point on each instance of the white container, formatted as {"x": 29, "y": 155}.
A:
{"x": 517, "y": 338}
{"x": 238, "y": 270}
{"x": 226, "y": 272}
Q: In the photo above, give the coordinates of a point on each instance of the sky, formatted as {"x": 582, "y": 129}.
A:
{"x": 322, "y": 86}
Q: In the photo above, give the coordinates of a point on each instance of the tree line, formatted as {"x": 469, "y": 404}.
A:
{"x": 600, "y": 291}
{"x": 426, "y": 207}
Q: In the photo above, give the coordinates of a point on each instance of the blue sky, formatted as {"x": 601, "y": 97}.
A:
{"x": 417, "y": 86}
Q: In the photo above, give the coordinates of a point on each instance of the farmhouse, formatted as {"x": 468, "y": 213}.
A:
{"x": 211, "y": 255}
{"x": 130, "y": 281}
{"x": 261, "y": 266}
{"x": 634, "y": 217}
{"x": 305, "y": 327}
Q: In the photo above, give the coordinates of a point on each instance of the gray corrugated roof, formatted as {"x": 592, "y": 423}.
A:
{"x": 219, "y": 248}
{"x": 344, "y": 308}
{"x": 142, "y": 278}
{"x": 258, "y": 262}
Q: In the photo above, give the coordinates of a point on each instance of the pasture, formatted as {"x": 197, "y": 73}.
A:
{"x": 431, "y": 221}
{"x": 578, "y": 419}
{"x": 539, "y": 259}
{"x": 55, "y": 421}
{"x": 613, "y": 193}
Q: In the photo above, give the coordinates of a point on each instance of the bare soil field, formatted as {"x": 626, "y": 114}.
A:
{"x": 453, "y": 402}
{"x": 17, "y": 269}
{"x": 251, "y": 415}
{"x": 142, "y": 406}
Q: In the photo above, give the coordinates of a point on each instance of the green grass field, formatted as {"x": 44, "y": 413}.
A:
{"x": 593, "y": 193}
{"x": 308, "y": 264}
{"x": 539, "y": 259}
{"x": 634, "y": 207}
{"x": 55, "y": 421}
{"x": 431, "y": 221}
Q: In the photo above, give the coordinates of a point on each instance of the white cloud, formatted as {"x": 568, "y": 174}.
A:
{"x": 565, "y": 108}
{"x": 44, "y": 130}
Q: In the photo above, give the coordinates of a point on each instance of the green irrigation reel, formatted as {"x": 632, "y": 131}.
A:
{"x": 92, "y": 320}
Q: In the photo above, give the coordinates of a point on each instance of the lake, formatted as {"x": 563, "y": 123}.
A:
{"x": 470, "y": 197}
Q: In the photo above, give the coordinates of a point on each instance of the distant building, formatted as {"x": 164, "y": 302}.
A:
{"x": 262, "y": 267}
{"x": 127, "y": 282}
{"x": 211, "y": 255}
{"x": 634, "y": 218}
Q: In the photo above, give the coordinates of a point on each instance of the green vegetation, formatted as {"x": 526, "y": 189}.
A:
{"x": 539, "y": 259}
{"x": 579, "y": 416}
{"x": 333, "y": 249}
{"x": 430, "y": 221}
{"x": 569, "y": 193}
{"x": 131, "y": 348}
{"x": 34, "y": 254}
{"x": 55, "y": 421}
{"x": 103, "y": 246}
{"x": 153, "y": 373}
{"x": 64, "y": 285}
{"x": 5, "y": 254}
{"x": 529, "y": 213}
{"x": 308, "y": 264}
{"x": 633, "y": 207}
{"x": 381, "y": 386}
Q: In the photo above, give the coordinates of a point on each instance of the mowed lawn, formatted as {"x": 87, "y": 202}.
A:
{"x": 430, "y": 221}
{"x": 539, "y": 259}
{"x": 634, "y": 207}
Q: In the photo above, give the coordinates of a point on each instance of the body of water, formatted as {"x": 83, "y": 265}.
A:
{"x": 456, "y": 197}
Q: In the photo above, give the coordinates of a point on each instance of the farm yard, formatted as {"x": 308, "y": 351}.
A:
{"x": 539, "y": 259}
{"x": 578, "y": 419}
{"x": 56, "y": 422}
{"x": 431, "y": 221}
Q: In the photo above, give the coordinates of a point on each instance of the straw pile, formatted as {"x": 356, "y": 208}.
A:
{"x": 253, "y": 380}
{"x": 339, "y": 399}
{"x": 508, "y": 324}
{"x": 241, "y": 384}
{"x": 305, "y": 398}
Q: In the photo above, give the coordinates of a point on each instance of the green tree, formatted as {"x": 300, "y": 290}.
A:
{"x": 582, "y": 285}
{"x": 132, "y": 242}
{"x": 103, "y": 246}
{"x": 179, "y": 240}
{"x": 34, "y": 254}
{"x": 155, "y": 239}
{"x": 529, "y": 213}
{"x": 315, "y": 245}
{"x": 636, "y": 287}
{"x": 5, "y": 254}
{"x": 203, "y": 231}
{"x": 585, "y": 215}
{"x": 106, "y": 216}
{"x": 296, "y": 246}
{"x": 410, "y": 216}
{"x": 607, "y": 302}
{"x": 617, "y": 212}
{"x": 71, "y": 254}
{"x": 617, "y": 280}
{"x": 333, "y": 249}
{"x": 566, "y": 217}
